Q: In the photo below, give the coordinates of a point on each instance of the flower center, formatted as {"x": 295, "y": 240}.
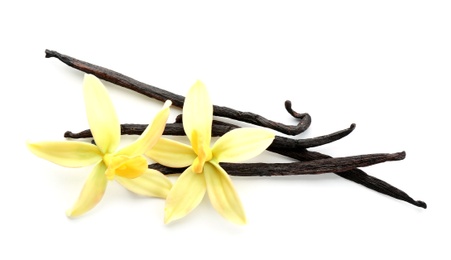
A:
{"x": 202, "y": 150}
{"x": 124, "y": 166}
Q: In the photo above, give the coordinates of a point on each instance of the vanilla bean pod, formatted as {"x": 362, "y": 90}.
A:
{"x": 320, "y": 166}
{"x": 177, "y": 100}
{"x": 219, "y": 129}
{"x": 355, "y": 175}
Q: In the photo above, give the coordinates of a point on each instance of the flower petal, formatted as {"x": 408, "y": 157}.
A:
{"x": 222, "y": 194}
{"x": 198, "y": 115}
{"x": 241, "y": 144}
{"x": 92, "y": 191}
{"x": 151, "y": 135}
{"x": 101, "y": 115}
{"x": 68, "y": 154}
{"x": 171, "y": 153}
{"x": 185, "y": 195}
{"x": 151, "y": 183}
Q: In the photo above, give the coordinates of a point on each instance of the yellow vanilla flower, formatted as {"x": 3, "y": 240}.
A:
{"x": 205, "y": 174}
{"x": 128, "y": 166}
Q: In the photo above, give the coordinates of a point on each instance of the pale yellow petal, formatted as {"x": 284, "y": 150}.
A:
{"x": 241, "y": 144}
{"x": 185, "y": 195}
{"x": 151, "y": 183}
{"x": 222, "y": 194}
{"x": 171, "y": 153}
{"x": 151, "y": 135}
{"x": 101, "y": 115}
{"x": 68, "y": 154}
{"x": 92, "y": 191}
{"x": 198, "y": 114}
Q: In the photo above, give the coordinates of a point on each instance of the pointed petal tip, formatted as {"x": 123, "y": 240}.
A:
{"x": 29, "y": 144}
{"x": 168, "y": 216}
{"x": 70, "y": 213}
{"x": 167, "y": 220}
{"x": 72, "y": 154}
{"x": 33, "y": 147}
{"x": 167, "y": 104}
{"x": 73, "y": 214}
{"x": 242, "y": 221}
{"x": 198, "y": 82}
{"x": 198, "y": 85}
{"x": 238, "y": 220}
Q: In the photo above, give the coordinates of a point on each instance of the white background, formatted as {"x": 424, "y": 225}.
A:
{"x": 384, "y": 65}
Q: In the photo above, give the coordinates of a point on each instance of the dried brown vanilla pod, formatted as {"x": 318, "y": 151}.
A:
{"x": 177, "y": 100}
{"x": 319, "y": 166}
{"x": 219, "y": 128}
